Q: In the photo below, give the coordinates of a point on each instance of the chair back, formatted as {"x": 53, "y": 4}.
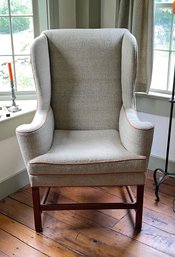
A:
{"x": 85, "y": 69}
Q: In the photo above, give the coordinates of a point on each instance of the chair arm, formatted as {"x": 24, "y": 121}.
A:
{"x": 136, "y": 135}
{"x": 36, "y": 138}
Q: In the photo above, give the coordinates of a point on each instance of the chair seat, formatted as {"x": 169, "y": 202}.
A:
{"x": 86, "y": 152}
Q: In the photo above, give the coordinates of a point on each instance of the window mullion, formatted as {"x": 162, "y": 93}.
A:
{"x": 12, "y": 43}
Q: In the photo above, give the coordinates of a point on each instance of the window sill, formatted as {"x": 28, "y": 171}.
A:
{"x": 25, "y": 107}
{"x": 154, "y": 95}
{"x": 153, "y": 103}
{"x": 8, "y": 125}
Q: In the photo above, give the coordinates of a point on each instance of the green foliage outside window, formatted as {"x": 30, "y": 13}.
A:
{"x": 18, "y": 23}
{"x": 16, "y": 35}
{"x": 163, "y": 25}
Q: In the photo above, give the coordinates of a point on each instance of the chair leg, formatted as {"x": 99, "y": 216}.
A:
{"x": 139, "y": 210}
{"x": 37, "y": 209}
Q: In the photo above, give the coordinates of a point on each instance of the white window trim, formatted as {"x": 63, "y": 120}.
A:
{"x": 159, "y": 92}
{"x": 39, "y": 10}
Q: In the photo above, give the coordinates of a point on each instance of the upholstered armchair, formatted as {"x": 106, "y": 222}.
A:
{"x": 86, "y": 131}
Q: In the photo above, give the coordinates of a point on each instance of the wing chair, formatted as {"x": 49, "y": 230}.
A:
{"x": 86, "y": 131}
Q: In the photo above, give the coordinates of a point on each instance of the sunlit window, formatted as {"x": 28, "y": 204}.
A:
{"x": 164, "y": 46}
{"x": 16, "y": 35}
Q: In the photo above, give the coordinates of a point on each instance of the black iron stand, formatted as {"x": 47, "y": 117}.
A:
{"x": 165, "y": 171}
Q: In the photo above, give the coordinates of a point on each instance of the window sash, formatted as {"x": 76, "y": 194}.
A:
{"x": 170, "y": 51}
{"x": 13, "y": 55}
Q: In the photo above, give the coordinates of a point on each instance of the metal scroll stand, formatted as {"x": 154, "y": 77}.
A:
{"x": 165, "y": 172}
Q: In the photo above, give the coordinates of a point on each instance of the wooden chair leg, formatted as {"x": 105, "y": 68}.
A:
{"x": 139, "y": 210}
{"x": 37, "y": 209}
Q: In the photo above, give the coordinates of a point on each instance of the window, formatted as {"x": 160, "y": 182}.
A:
{"x": 164, "y": 47}
{"x": 16, "y": 35}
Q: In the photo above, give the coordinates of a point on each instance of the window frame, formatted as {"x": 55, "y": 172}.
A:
{"x": 28, "y": 94}
{"x": 170, "y": 51}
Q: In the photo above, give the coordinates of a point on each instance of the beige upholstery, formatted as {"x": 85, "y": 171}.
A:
{"x": 86, "y": 130}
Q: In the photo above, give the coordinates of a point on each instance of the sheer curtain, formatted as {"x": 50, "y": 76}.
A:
{"x": 136, "y": 15}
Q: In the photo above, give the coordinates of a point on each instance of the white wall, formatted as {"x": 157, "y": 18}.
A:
{"x": 161, "y": 124}
{"x": 11, "y": 161}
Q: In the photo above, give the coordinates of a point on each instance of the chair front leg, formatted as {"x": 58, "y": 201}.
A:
{"x": 37, "y": 209}
{"x": 139, "y": 209}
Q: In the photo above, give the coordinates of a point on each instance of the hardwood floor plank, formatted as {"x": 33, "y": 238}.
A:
{"x": 161, "y": 221}
{"x": 102, "y": 242}
{"x": 35, "y": 240}
{"x": 66, "y": 228}
{"x": 74, "y": 232}
{"x": 17, "y": 211}
{"x": 116, "y": 244}
{"x": 150, "y": 235}
{"x": 15, "y": 247}
{"x": 3, "y": 254}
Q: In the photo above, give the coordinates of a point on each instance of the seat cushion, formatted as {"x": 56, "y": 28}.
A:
{"x": 86, "y": 152}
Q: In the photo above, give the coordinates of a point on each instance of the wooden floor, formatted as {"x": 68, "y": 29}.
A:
{"x": 89, "y": 233}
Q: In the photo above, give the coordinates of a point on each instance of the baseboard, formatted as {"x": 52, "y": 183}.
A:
{"x": 13, "y": 183}
{"x": 158, "y": 162}
{"x": 21, "y": 179}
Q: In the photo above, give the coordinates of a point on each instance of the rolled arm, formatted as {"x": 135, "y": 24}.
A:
{"x": 36, "y": 138}
{"x": 136, "y": 136}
